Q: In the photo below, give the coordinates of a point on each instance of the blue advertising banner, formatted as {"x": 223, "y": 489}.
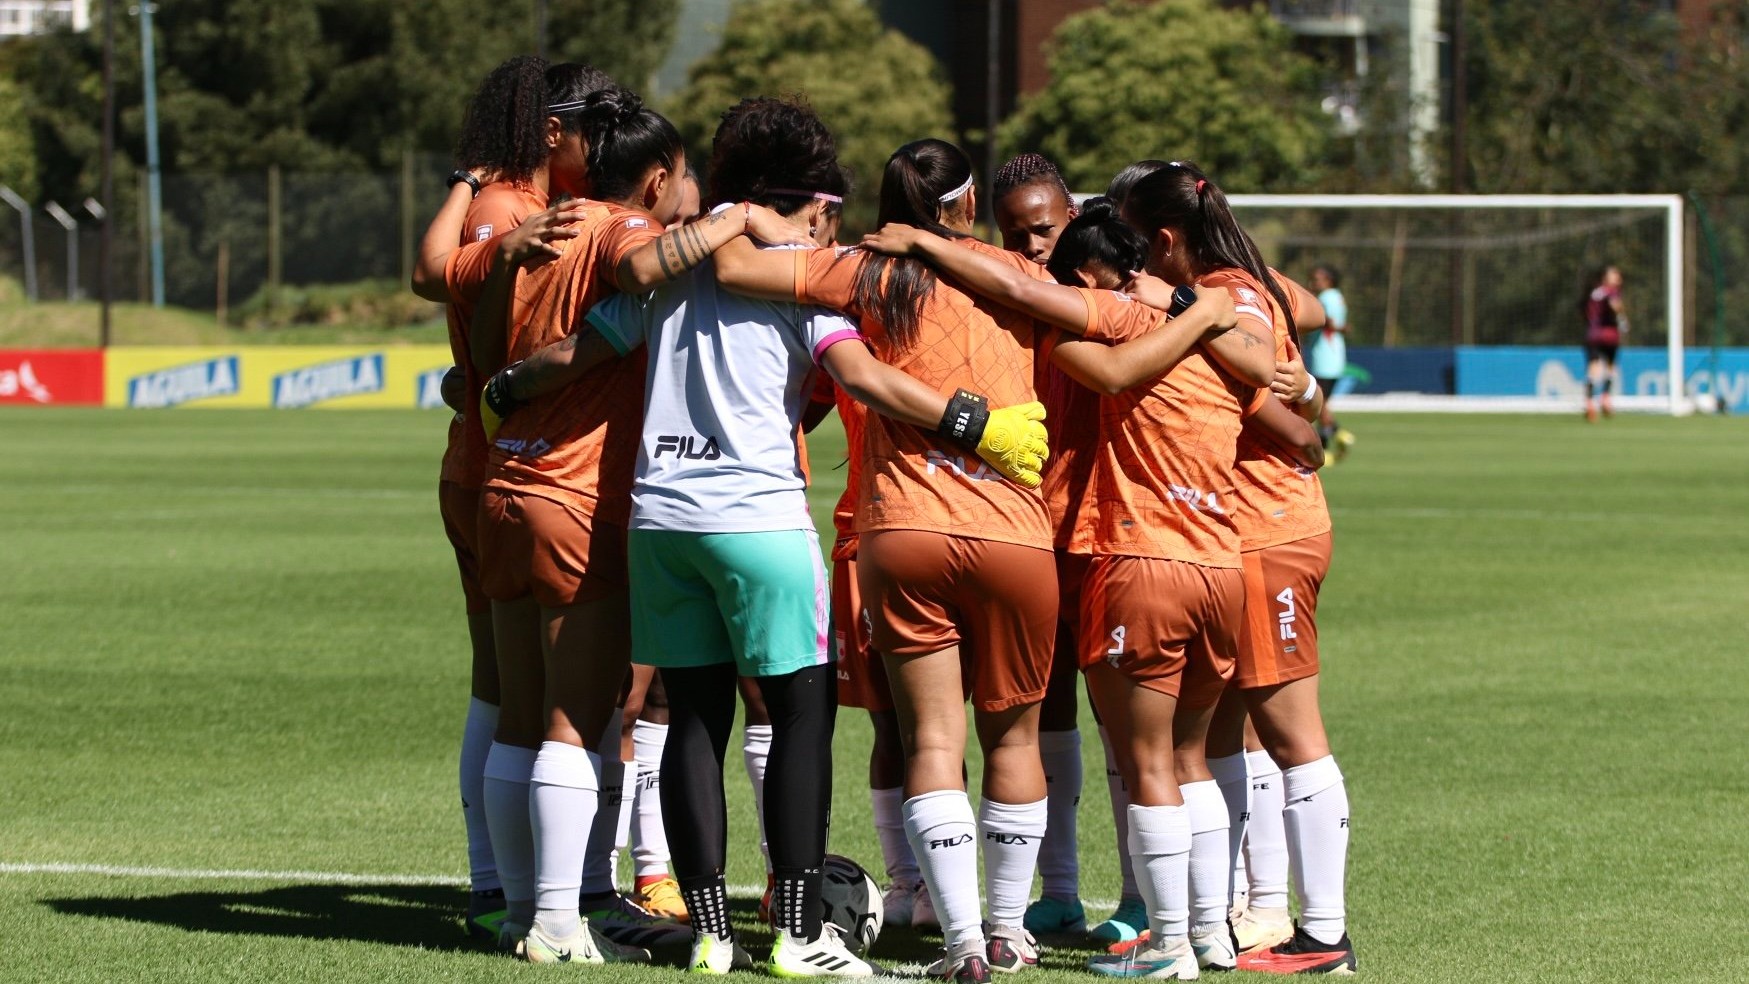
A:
{"x": 1559, "y": 373}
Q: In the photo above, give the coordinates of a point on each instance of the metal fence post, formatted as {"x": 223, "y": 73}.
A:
{"x": 11, "y": 198}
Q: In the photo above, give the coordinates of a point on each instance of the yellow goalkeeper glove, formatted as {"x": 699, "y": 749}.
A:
{"x": 1010, "y": 439}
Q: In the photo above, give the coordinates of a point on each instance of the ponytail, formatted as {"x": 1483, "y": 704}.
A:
{"x": 921, "y": 179}
{"x": 1180, "y": 197}
{"x": 625, "y": 139}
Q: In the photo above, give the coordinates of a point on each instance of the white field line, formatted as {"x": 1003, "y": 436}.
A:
{"x": 748, "y": 891}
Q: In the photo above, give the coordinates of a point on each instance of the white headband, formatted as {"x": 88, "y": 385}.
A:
{"x": 962, "y": 189}
{"x": 565, "y": 107}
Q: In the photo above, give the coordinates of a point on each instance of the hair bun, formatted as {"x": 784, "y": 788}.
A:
{"x": 614, "y": 106}
{"x": 1099, "y": 209}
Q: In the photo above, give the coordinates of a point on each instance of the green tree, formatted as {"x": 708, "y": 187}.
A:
{"x": 1176, "y": 79}
{"x": 17, "y": 146}
{"x": 875, "y": 88}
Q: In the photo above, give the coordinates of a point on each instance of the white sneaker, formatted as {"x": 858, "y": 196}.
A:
{"x": 827, "y": 956}
{"x": 713, "y": 954}
{"x": 1174, "y": 961}
{"x": 625, "y": 922}
{"x": 1010, "y": 949}
{"x": 898, "y": 903}
{"x": 1215, "y": 949}
{"x": 1260, "y": 929}
{"x": 962, "y": 964}
{"x": 923, "y": 909}
{"x": 585, "y": 946}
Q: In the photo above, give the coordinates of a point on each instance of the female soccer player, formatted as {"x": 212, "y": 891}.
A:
{"x": 1032, "y": 206}
{"x": 507, "y": 136}
{"x": 1606, "y": 321}
{"x": 724, "y": 559}
{"x": 554, "y": 510}
{"x": 1327, "y": 355}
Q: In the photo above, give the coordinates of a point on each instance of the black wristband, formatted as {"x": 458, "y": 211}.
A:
{"x": 964, "y": 421}
{"x": 459, "y": 175}
{"x": 1182, "y": 298}
{"x": 497, "y": 392}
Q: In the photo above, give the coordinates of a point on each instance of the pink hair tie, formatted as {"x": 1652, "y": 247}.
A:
{"x": 1199, "y": 185}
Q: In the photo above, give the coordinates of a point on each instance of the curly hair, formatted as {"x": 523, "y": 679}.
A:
{"x": 766, "y": 147}
{"x": 504, "y": 130}
{"x": 1029, "y": 169}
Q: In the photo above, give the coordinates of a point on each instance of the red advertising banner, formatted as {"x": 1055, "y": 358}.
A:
{"x": 51, "y": 377}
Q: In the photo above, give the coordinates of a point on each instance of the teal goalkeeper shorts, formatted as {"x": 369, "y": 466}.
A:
{"x": 759, "y": 600}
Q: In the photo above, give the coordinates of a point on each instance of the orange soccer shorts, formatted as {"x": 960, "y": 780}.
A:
{"x": 996, "y": 601}
{"x": 1279, "y": 641}
{"x": 862, "y": 677}
{"x": 460, "y": 507}
{"x": 1169, "y": 625}
{"x": 530, "y": 545}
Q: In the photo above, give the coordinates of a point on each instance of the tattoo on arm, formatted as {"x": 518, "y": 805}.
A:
{"x": 1249, "y": 339}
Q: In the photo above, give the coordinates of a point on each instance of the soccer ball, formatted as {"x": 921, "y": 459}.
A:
{"x": 852, "y": 901}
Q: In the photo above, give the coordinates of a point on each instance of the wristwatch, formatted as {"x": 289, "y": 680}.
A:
{"x": 460, "y": 175}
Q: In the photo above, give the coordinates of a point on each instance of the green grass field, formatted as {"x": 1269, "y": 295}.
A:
{"x": 233, "y": 641}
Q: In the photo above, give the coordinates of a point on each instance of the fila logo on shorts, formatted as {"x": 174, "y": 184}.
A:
{"x": 1115, "y": 653}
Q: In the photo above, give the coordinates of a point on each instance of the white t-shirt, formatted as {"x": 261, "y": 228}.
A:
{"x": 728, "y": 378}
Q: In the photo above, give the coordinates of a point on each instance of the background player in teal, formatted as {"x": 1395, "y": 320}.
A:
{"x": 1327, "y": 355}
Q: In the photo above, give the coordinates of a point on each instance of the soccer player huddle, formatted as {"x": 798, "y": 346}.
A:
{"x": 1058, "y": 460}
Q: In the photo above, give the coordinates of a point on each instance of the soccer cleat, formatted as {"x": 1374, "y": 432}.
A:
{"x": 1215, "y": 949}
{"x": 965, "y": 964}
{"x": 486, "y": 913}
{"x": 1127, "y": 945}
{"x": 1175, "y": 962}
{"x": 1260, "y": 929}
{"x": 1125, "y": 924}
{"x": 923, "y": 909}
{"x": 660, "y": 897}
{"x": 510, "y": 936}
{"x": 824, "y": 956}
{"x": 585, "y": 946}
{"x": 623, "y": 921}
{"x": 713, "y": 954}
{"x": 898, "y": 903}
{"x": 1010, "y": 949}
{"x": 1344, "y": 441}
{"x": 1051, "y": 916}
{"x": 1302, "y": 954}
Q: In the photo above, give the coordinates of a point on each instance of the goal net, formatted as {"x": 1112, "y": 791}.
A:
{"x": 1474, "y": 302}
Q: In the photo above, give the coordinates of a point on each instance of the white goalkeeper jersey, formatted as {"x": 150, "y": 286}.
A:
{"x": 727, "y": 383}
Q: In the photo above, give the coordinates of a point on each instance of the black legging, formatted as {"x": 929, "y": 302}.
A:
{"x": 798, "y": 802}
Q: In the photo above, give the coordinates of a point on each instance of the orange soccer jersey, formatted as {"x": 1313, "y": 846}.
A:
{"x": 1163, "y": 475}
{"x": 911, "y": 481}
{"x": 854, "y": 416}
{"x": 500, "y": 207}
{"x": 576, "y": 446}
{"x": 1277, "y": 500}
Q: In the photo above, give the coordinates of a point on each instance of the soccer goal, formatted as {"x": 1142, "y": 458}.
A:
{"x": 1473, "y": 302}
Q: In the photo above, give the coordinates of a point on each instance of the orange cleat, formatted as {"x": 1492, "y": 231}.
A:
{"x": 1302, "y": 955}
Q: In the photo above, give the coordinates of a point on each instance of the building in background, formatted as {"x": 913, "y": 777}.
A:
{"x": 21, "y": 17}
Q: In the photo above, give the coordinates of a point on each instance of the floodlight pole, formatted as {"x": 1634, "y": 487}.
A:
{"x": 70, "y": 226}
{"x": 22, "y": 207}
{"x": 154, "y": 183}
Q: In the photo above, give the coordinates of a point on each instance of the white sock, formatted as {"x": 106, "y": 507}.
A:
{"x": 1315, "y": 814}
{"x": 650, "y": 848}
{"x": 1120, "y": 815}
{"x": 1011, "y": 834}
{"x": 1241, "y": 880}
{"x": 564, "y": 792}
{"x": 622, "y": 828}
{"x": 755, "y": 750}
{"x": 1265, "y": 839}
{"x": 598, "y": 859}
{"x": 1160, "y": 852}
{"x": 1229, "y": 773}
{"x": 889, "y": 821}
{"x": 944, "y": 837}
{"x": 505, "y": 793}
{"x": 1058, "y": 861}
{"x": 1211, "y": 870}
{"x": 482, "y": 720}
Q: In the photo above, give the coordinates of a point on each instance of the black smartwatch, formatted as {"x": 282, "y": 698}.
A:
{"x": 459, "y": 175}
{"x": 1182, "y": 298}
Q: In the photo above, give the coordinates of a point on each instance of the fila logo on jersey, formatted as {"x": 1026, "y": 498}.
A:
{"x": 523, "y": 448}
{"x": 957, "y": 465}
{"x": 181, "y": 384}
{"x": 1197, "y": 499}
{"x": 23, "y": 379}
{"x": 1285, "y": 617}
{"x": 950, "y": 841}
{"x": 1012, "y": 840}
{"x": 328, "y": 381}
{"x": 687, "y": 446}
